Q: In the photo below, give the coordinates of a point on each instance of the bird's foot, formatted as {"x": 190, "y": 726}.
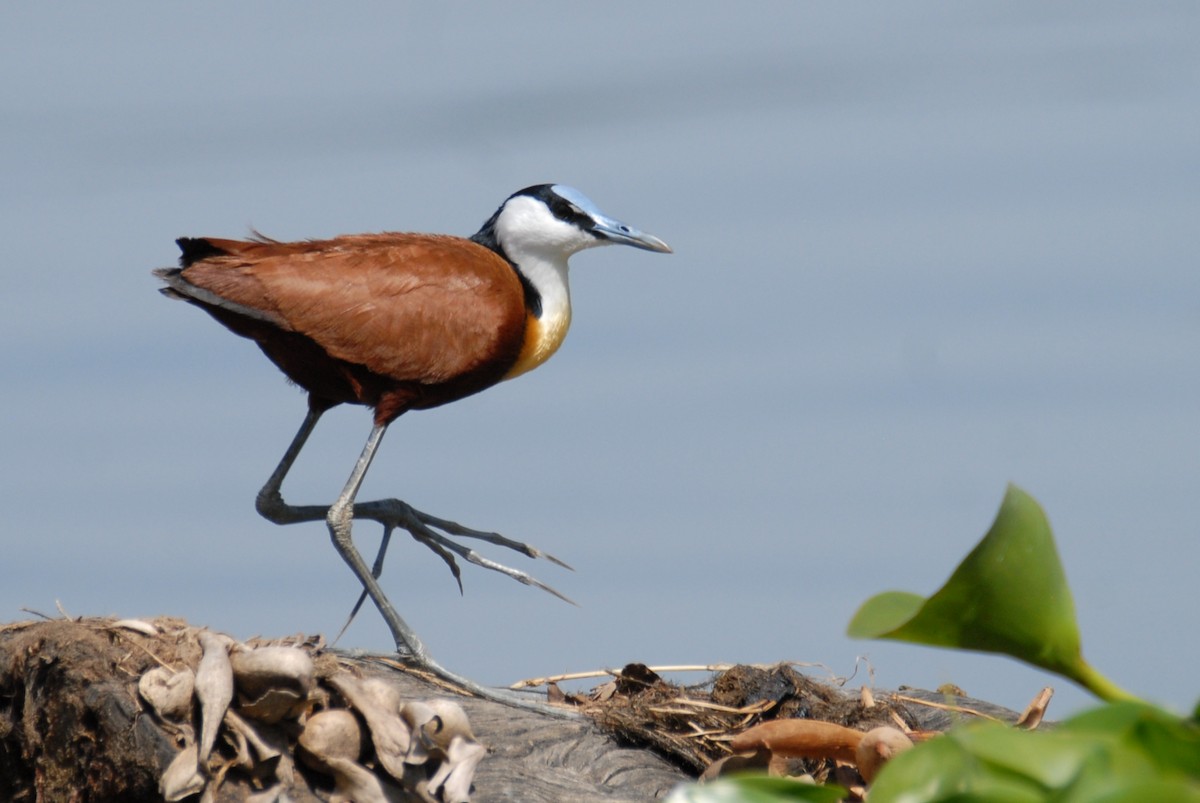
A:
{"x": 436, "y": 533}
{"x": 393, "y": 513}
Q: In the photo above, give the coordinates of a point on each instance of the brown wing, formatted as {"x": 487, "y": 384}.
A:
{"x": 414, "y": 308}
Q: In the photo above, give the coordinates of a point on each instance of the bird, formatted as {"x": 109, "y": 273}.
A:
{"x": 399, "y": 321}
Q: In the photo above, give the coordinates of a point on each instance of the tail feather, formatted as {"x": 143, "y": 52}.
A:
{"x": 179, "y": 287}
{"x": 195, "y": 249}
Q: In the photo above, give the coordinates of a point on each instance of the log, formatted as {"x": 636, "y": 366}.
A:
{"x": 73, "y": 726}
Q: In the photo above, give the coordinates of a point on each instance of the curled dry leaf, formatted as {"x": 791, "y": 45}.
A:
{"x": 356, "y": 784}
{"x": 274, "y": 706}
{"x": 376, "y": 701}
{"x": 442, "y": 732}
{"x": 737, "y": 762}
{"x": 1032, "y": 716}
{"x": 182, "y": 778}
{"x": 452, "y": 722}
{"x": 416, "y": 716}
{"x": 168, "y": 692}
{"x": 136, "y": 625}
{"x": 800, "y": 738}
{"x": 335, "y": 733}
{"x": 269, "y": 744}
{"x": 457, "y": 770}
{"x": 266, "y": 744}
{"x": 214, "y": 689}
{"x": 265, "y": 668}
{"x": 273, "y": 683}
{"x": 877, "y": 747}
{"x": 808, "y": 738}
{"x": 276, "y": 794}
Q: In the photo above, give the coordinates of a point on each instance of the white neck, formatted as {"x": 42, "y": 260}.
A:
{"x": 550, "y": 278}
{"x": 539, "y": 244}
{"x": 545, "y": 333}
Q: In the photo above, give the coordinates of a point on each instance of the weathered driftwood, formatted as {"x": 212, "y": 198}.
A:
{"x": 73, "y": 725}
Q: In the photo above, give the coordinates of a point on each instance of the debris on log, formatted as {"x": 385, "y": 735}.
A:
{"x": 97, "y": 709}
{"x": 75, "y": 725}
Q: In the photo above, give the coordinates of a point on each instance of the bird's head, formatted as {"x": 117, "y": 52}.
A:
{"x": 552, "y": 222}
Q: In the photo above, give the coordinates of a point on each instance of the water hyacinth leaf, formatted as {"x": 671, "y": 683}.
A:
{"x": 755, "y": 789}
{"x": 944, "y": 770}
{"x": 1167, "y": 744}
{"x": 885, "y": 613}
{"x": 1123, "y": 751}
{"x": 1009, "y": 596}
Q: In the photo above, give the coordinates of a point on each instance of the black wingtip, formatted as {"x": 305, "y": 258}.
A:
{"x": 195, "y": 249}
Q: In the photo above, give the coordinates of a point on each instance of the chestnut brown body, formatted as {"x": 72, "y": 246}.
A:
{"x": 393, "y": 321}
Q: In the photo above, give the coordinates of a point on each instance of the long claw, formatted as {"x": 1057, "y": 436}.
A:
{"x": 430, "y": 540}
{"x": 454, "y": 528}
{"x": 474, "y": 557}
{"x": 471, "y": 556}
{"x": 421, "y": 526}
{"x": 393, "y": 513}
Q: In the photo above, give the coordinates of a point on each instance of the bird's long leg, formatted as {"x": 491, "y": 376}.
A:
{"x": 391, "y": 513}
{"x": 338, "y": 516}
{"x": 340, "y": 520}
{"x": 270, "y": 504}
{"x": 376, "y": 570}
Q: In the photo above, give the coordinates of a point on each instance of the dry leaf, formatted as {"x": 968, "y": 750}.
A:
{"x": 442, "y": 733}
{"x": 800, "y": 738}
{"x": 1036, "y": 710}
{"x": 269, "y": 744}
{"x": 356, "y": 784}
{"x": 335, "y": 733}
{"x": 375, "y": 700}
{"x": 453, "y": 778}
{"x": 168, "y": 692}
{"x": 877, "y": 748}
{"x": 136, "y": 625}
{"x": 739, "y": 762}
{"x": 214, "y": 689}
{"x": 265, "y": 669}
{"x": 182, "y": 777}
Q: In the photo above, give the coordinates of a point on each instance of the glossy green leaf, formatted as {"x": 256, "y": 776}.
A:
{"x": 943, "y": 770}
{"x": 1009, "y": 596}
{"x": 1119, "y": 752}
{"x": 885, "y": 613}
{"x": 1164, "y": 743}
{"x": 755, "y": 789}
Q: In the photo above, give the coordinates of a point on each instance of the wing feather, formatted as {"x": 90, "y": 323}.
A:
{"x": 410, "y": 307}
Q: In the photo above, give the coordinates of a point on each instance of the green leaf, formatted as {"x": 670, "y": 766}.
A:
{"x": 1009, "y": 596}
{"x": 945, "y": 769}
{"x": 884, "y": 613}
{"x": 1119, "y": 752}
{"x": 755, "y": 789}
{"x": 1162, "y": 742}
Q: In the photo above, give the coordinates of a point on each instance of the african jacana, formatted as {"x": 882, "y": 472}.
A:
{"x": 400, "y": 322}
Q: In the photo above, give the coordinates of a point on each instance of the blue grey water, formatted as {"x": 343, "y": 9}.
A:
{"x": 922, "y": 250}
